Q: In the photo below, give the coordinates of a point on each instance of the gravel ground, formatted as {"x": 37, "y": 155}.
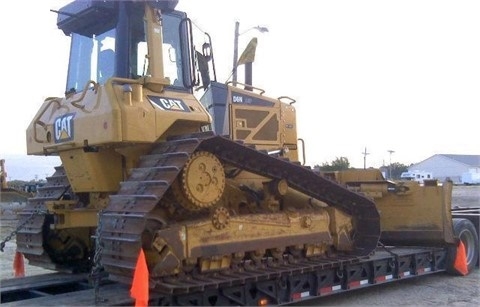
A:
{"x": 466, "y": 196}
{"x": 6, "y": 257}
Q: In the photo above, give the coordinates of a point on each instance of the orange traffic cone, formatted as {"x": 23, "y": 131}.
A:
{"x": 139, "y": 289}
{"x": 19, "y": 265}
{"x": 461, "y": 260}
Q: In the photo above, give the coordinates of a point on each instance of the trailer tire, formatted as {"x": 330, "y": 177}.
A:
{"x": 465, "y": 231}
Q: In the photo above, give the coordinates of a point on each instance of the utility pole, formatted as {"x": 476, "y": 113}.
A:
{"x": 365, "y": 153}
{"x": 390, "y": 166}
{"x": 235, "y": 46}
{"x": 235, "y": 52}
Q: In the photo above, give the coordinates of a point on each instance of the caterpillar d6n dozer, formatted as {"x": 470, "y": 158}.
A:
{"x": 202, "y": 186}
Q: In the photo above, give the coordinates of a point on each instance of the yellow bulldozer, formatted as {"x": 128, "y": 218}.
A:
{"x": 12, "y": 194}
{"x": 202, "y": 186}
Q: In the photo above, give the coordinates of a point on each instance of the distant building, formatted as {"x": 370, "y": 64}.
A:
{"x": 452, "y": 166}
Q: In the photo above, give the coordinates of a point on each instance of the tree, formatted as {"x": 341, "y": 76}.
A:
{"x": 397, "y": 170}
{"x": 339, "y": 164}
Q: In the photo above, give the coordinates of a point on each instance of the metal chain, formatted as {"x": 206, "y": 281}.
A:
{"x": 96, "y": 274}
{"x": 22, "y": 225}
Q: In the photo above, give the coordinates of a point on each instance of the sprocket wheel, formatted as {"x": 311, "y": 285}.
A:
{"x": 202, "y": 181}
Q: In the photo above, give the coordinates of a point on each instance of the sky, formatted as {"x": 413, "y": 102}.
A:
{"x": 401, "y": 76}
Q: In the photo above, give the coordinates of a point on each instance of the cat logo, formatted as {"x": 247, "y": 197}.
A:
{"x": 63, "y": 128}
{"x": 169, "y": 104}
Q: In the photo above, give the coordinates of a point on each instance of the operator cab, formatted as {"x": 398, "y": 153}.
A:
{"x": 108, "y": 39}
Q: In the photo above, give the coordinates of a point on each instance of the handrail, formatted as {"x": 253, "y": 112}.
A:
{"x": 292, "y": 101}
{"x": 303, "y": 150}
{"x": 56, "y": 147}
{"x": 111, "y": 81}
{"x": 84, "y": 92}
{"x": 37, "y": 120}
{"x": 251, "y": 86}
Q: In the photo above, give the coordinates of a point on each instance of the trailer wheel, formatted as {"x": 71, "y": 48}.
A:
{"x": 465, "y": 231}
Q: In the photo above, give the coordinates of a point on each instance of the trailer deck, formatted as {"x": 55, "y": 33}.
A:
{"x": 272, "y": 286}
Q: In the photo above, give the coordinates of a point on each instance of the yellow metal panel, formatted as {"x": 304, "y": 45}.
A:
{"x": 93, "y": 171}
{"x": 171, "y": 108}
{"x": 419, "y": 207}
{"x": 410, "y": 213}
{"x": 288, "y": 130}
{"x": 67, "y": 216}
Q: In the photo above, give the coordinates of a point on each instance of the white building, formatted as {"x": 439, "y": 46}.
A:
{"x": 452, "y": 166}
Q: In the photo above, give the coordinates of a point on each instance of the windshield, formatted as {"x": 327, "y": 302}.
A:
{"x": 91, "y": 58}
{"x": 172, "y": 55}
{"x": 124, "y": 53}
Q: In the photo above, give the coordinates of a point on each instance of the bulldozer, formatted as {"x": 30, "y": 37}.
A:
{"x": 200, "y": 185}
{"x": 13, "y": 194}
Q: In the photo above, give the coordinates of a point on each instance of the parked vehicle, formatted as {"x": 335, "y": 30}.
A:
{"x": 471, "y": 177}
{"x": 418, "y": 176}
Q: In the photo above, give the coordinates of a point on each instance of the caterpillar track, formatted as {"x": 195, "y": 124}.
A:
{"x": 45, "y": 247}
{"x": 136, "y": 214}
